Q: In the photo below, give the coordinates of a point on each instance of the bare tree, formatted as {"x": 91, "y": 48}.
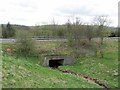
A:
{"x": 77, "y": 39}
{"x": 102, "y": 22}
{"x": 89, "y": 32}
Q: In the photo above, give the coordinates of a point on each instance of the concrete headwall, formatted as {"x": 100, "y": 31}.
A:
{"x": 67, "y": 60}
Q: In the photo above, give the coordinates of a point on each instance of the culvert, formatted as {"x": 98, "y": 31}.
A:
{"x": 55, "y": 61}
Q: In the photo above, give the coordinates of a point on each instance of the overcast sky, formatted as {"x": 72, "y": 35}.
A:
{"x": 37, "y": 12}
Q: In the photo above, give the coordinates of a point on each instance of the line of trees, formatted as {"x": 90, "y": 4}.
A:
{"x": 80, "y": 36}
{"x": 7, "y": 31}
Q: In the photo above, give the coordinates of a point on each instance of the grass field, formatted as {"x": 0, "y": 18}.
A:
{"x": 105, "y": 69}
{"x": 26, "y": 73}
{"x": 19, "y": 73}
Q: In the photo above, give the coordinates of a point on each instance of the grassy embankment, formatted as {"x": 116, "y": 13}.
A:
{"x": 104, "y": 69}
{"x": 27, "y": 73}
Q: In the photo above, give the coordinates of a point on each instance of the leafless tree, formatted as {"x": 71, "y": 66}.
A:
{"x": 89, "y": 32}
{"x": 77, "y": 38}
{"x": 102, "y": 22}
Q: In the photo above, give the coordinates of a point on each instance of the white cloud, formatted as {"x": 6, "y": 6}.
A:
{"x": 31, "y": 12}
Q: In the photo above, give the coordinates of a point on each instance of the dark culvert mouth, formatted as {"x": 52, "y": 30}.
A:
{"x": 55, "y": 63}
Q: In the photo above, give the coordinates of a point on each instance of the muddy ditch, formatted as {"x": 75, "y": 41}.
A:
{"x": 101, "y": 84}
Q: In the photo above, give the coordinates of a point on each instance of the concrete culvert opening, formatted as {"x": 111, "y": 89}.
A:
{"x": 55, "y": 63}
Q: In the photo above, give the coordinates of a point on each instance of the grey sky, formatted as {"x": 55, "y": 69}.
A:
{"x": 32, "y": 12}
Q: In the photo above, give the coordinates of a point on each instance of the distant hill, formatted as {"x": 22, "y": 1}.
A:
{"x": 47, "y": 30}
{"x": 21, "y": 27}
{"x": 24, "y": 27}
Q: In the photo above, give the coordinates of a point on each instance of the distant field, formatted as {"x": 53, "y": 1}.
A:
{"x": 26, "y": 73}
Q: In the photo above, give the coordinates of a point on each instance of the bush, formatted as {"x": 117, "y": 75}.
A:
{"x": 25, "y": 46}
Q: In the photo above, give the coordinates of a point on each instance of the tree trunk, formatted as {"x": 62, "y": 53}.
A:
{"x": 101, "y": 40}
{"x": 101, "y": 54}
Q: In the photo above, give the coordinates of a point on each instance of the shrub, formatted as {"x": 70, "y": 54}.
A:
{"x": 25, "y": 45}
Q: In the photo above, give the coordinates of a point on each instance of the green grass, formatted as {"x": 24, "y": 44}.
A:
{"x": 45, "y": 47}
{"x": 26, "y": 73}
{"x": 0, "y": 67}
{"x": 53, "y": 47}
{"x": 22, "y": 73}
{"x": 101, "y": 68}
